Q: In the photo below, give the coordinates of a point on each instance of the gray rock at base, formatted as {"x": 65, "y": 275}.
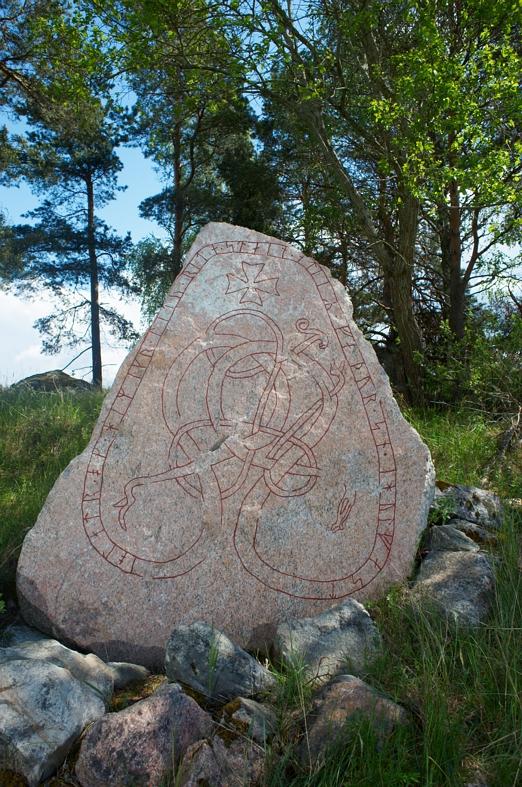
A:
{"x": 343, "y": 637}
{"x": 84, "y": 667}
{"x": 212, "y": 764}
{"x": 477, "y": 533}
{"x": 478, "y": 780}
{"x": 18, "y": 634}
{"x": 89, "y": 669}
{"x": 471, "y": 503}
{"x": 124, "y": 673}
{"x": 43, "y": 710}
{"x": 460, "y": 584}
{"x": 249, "y": 719}
{"x": 141, "y": 745}
{"x": 205, "y": 659}
{"x": 347, "y": 698}
{"x": 449, "y": 538}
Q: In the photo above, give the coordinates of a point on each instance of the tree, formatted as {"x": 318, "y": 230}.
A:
{"x": 329, "y": 68}
{"x": 372, "y": 81}
{"x": 56, "y": 81}
{"x": 23, "y": 32}
{"x": 178, "y": 113}
{"x": 74, "y": 166}
{"x": 232, "y": 182}
{"x": 193, "y": 123}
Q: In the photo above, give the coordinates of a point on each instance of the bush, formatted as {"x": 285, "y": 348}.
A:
{"x": 485, "y": 368}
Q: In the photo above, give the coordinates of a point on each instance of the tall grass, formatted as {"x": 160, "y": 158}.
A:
{"x": 39, "y": 435}
{"x": 463, "y": 442}
{"x": 461, "y": 687}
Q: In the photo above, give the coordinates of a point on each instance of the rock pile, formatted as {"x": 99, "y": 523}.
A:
{"x": 216, "y": 737}
{"x": 455, "y": 575}
{"x": 48, "y": 695}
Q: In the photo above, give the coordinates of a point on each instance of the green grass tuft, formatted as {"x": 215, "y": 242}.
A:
{"x": 462, "y": 443}
{"x": 39, "y": 435}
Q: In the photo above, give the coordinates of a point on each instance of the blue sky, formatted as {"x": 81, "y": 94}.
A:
{"x": 20, "y": 344}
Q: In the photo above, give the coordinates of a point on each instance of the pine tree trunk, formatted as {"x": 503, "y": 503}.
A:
{"x": 394, "y": 250}
{"x": 457, "y": 300}
{"x": 451, "y": 262}
{"x": 95, "y": 303}
{"x": 397, "y": 262}
{"x": 179, "y": 202}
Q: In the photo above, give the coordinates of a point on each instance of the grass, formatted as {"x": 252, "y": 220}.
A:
{"x": 462, "y": 443}
{"x": 461, "y": 687}
{"x": 39, "y": 435}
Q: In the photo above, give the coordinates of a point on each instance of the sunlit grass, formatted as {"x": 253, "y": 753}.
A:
{"x": 39, "y": 435}
{"x": 462, "y": 443}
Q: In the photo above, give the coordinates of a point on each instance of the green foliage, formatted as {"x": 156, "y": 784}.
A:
{"x": 150, "y": 265}
{"x": 411, "y": 109}
{"x": 462, "y": 443}
{"x": 441, "y": 511}
{"x": 387, "y": 131}
{"x": 483, "y": 369}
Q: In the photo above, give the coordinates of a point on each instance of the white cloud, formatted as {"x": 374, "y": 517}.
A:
{"x": 29, "y": 354}
{"x": 20, "y": 343}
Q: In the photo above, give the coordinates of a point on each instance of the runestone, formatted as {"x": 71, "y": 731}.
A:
{"x": 249, "y": 465}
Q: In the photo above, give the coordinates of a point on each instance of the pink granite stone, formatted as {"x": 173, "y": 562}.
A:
{"x": 249, "y": 465}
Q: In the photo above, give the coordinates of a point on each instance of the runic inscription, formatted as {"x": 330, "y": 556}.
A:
{"x": 268, "y": 451}
{"x": 249, "y": 463}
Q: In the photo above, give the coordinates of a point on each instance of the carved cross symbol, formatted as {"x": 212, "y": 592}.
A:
{"x": 251, "y": 284}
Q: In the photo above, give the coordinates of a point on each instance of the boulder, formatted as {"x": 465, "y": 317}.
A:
{"x": 477, "y": 533}
{"x": 470, "y": 503}
{"x": 53, "y": 381}
{"x": 205, "y": 659}
{"x": 249, "y": 465}
{"x": 449, "y": 538}
{"x": 250, "y": 719}
{"x": 141, "y": 745}
{"x": 43, "y": 710}
{"x": 212, "y": 764}
{"x": 85, "y": 667}
{"x": 18, "y": 633}
{"x": 124, "y": 673}
{"x": 460, "y": 584}
{"x": 89, "y": 669}
{"x": 344, "y": 700}
{"x": 343, "y": 637}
